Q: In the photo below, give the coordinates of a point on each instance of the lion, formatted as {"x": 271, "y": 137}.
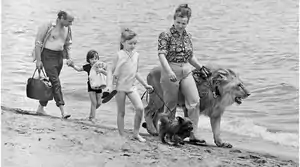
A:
{"x": 220, "y": 90}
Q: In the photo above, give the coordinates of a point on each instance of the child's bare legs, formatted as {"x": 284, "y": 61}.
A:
{"x": 139, "y": 109}
{"x": 99, "y": 100}
{"x": 93, "y": 99}
{"x": 120, "y": 99}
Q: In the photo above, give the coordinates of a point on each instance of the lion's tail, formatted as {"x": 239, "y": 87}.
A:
{"x": 144, "y": 125}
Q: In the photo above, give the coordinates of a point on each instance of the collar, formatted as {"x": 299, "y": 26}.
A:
{"x": 216, "y": 92}
{"x": 176, "y": 33}
{"x": 214, "y": 89}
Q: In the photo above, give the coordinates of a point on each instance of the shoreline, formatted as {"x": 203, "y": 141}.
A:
{"x": 30, "y": 140}
{"x": 253, "y": 144}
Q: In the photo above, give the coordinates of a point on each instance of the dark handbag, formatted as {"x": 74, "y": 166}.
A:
{"x": 39, "y": 88}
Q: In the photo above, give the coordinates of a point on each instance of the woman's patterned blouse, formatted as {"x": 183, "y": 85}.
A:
{"x": 177, "y": 49}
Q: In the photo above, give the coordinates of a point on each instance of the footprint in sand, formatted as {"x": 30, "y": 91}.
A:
{"x": 235, "y": 151}
{"x": 9, "y": 144}
{"x": 98, "y": 131}
{"x": 20, "y": 131}
{"x": 208, "y": 151}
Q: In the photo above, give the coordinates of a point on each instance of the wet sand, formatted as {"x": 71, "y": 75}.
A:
{"x": 30, "y": 140}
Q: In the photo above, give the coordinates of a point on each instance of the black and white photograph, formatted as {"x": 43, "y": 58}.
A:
{"x": 152, "y": 83}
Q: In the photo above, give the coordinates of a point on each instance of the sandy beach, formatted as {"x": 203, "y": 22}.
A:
{"x": 34, "y": 141}
{"x": 256, "y": 39}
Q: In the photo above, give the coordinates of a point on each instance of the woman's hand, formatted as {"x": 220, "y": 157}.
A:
{"x": 149, "y": 88}
{"x": 172, "y": 76}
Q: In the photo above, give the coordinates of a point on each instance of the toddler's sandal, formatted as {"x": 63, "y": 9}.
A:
{"x": 109, "y": 96}
{"x": 104, "y": 95}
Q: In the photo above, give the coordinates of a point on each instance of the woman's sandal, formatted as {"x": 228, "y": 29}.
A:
{"x": 107, "y": 97}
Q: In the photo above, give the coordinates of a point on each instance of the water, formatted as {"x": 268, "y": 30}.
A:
{"x": 258, "y": 39}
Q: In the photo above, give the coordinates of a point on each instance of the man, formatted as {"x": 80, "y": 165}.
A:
{"x": 52, "y": 45}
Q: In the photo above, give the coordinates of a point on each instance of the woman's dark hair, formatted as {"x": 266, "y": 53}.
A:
{"x": 183, "y": 10}
{"x": 126, "y": 34}
{"x": 90, "y": 55}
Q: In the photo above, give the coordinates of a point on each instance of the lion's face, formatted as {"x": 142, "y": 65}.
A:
{"x": 230, "y": 85}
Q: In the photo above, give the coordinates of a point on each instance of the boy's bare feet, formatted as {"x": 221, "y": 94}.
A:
{"x": 93, "y": 120}
{"x": 40, "y": 110}
{"x": 64, "y": 114}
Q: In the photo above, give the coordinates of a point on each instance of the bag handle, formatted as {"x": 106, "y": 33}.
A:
{"x": 39, "y": 72}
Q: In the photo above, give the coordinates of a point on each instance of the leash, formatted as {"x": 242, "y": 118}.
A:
{"x": 144, "y": 94}
{"x": 208, "y": 75}
{"x": 164, "y": 104}
{"x": 212, "y": 88}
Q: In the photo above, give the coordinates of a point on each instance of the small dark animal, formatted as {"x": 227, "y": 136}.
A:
{"x": 176, "y": 130}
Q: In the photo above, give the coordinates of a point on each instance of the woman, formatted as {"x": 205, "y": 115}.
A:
{"x": 175, "y": 52}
